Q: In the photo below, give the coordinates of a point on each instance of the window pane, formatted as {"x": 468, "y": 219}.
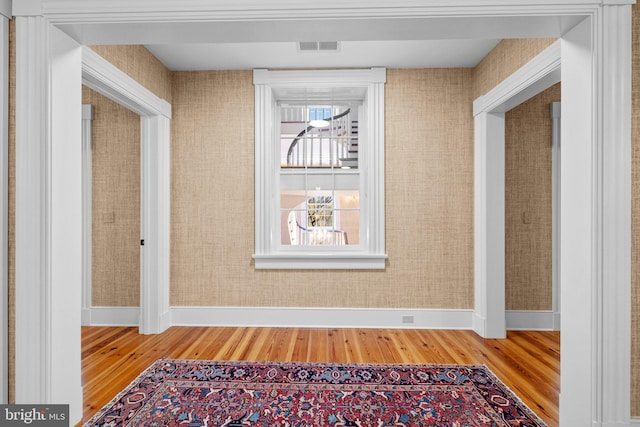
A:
{"x": 312, "y": 218}
{"x": 318, "y": 136}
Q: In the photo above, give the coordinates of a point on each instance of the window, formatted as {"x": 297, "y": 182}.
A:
{"x": 319, "y": 169}
{"x": 319, "y": 180}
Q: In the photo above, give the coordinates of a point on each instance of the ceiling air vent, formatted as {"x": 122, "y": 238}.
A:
{"x": 318, "y": 46}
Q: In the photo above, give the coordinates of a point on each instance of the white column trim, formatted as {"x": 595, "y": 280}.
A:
{"x": 33, "y": 369}
{"x": 64, "y": 109}
{"x": 556, "y": 203}
{"x": 489, "y": 319}
{"x": 155, "y": 212}
{"x": 613, "y": 313}
{"x": 87, "y": 193}
{"x": 375, "y": 171}
{"x": 4, "y": 207}
{"x": 264, "y": 178}
{"x": 580, "y": 232}
{"x": 48, "y": 222}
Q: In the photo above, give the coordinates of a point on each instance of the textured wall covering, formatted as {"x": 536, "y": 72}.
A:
{"x": 503, "y": 60}
{"x": 137, "y": 62}
{"x": 115, "y": 270}
{"x": 429, "y": 214}
{"x": 528, "y": 203}
{"x": 635, "y": 219}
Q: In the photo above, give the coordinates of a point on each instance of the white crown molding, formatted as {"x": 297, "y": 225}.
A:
{"x": 160, "y": 9}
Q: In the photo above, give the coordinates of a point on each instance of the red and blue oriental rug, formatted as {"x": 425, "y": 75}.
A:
{"x": 238, "y": 394}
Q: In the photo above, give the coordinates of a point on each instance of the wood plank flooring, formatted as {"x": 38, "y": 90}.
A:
{"x": 527, "y": 362}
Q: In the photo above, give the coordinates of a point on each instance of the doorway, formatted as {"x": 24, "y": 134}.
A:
{"x": 148, "y": 225}
{"x": 111, "y": 212}
{"x": 532, "y": 174}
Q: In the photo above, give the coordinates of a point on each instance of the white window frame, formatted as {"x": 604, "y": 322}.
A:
{"x": 272, "y": 86}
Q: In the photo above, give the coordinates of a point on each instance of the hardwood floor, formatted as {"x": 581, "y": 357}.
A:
{"x": 527, "y": 362}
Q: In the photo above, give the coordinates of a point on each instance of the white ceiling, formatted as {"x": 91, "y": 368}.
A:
{"x": 402, "y": 42}
{"x": 351, "y": 54}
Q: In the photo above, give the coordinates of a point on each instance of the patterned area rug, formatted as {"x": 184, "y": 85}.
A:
{"x": 238, "y": 394}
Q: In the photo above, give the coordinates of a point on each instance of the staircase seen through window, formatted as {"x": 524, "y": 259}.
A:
{"x": 319, "y": 177}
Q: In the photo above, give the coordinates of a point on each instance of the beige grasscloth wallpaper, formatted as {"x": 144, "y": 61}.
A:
{"x": 528, "y": 203}
{"x": 115, "y": 204}
{"x": 429, "y": 192}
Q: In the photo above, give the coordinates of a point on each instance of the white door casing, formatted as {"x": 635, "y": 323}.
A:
{"x": 155, "y": 115}
{"x": 5, "y": 15}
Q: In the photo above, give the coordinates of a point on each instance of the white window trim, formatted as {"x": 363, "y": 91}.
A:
{"x": 371, "y": 252}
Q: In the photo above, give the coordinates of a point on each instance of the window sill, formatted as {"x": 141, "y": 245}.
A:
{"x": 330, "y": 261}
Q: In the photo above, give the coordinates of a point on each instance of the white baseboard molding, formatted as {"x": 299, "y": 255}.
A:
{"x": 530, "y": 320}
{"x": 322, "y": 317}
{"x": 111, "y": 316}
{"x": 85, "y": 317}
{"x": 632, "y": 422}
{"x": 318, "y": 318}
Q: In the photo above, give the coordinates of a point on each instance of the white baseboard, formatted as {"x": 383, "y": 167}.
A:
{"x": 85, "y": 317}
{"x": 111, "y": 316}
{"x": 526, "y": 320}
{"x": 632, "y": 422}
{"x": 478, "y": 324}
{"x": 321, "y": 317}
